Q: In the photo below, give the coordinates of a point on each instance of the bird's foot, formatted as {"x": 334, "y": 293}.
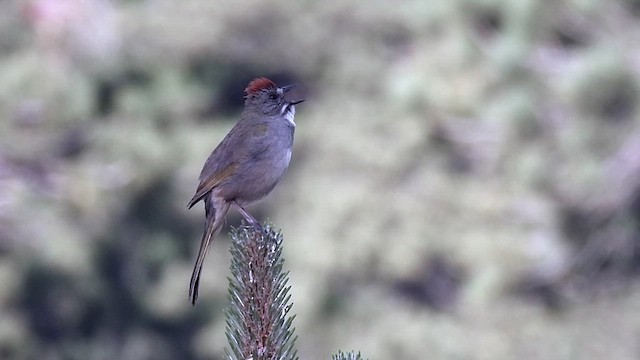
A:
{"x": 257, "y": 227}
{"x": 250, "y": 219}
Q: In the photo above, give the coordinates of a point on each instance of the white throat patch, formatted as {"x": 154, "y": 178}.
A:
{"x": 289, "y": 112}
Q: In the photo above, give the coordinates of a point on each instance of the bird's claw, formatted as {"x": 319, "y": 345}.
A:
{"x": 256, "y": 226}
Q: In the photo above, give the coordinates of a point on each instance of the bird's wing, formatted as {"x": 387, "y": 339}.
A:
{"x": 207, "y": 183}
{"x": 219, "y": 166}
{"x": 216, "y": 169}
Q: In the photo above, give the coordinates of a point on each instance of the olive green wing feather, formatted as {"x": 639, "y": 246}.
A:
{"x": 208, "y": 183}
{"x": 223, "y": 161}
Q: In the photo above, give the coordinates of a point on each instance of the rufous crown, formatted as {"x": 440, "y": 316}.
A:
{"x": 259, "y": 84}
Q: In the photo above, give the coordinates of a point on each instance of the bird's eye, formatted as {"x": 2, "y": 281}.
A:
{"x": 273, "y": 96}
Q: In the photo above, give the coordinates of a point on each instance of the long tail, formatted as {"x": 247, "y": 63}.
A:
{"x": 215, "y": 209}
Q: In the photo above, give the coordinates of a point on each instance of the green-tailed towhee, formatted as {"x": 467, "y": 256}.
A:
{"x": 247, "y": 164}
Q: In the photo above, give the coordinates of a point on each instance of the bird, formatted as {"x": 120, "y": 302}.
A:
{"x": 247, "y": 164}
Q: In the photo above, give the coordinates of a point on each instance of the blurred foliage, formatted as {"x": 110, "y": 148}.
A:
{"x": 464, "y": 184}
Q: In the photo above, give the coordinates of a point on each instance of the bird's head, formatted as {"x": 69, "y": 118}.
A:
{"x": 265, "y": 97}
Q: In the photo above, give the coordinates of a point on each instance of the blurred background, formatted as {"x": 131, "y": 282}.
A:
{"x": 465, "y": 182}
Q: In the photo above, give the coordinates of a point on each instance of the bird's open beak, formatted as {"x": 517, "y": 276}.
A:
{"x": 286, "y": 89}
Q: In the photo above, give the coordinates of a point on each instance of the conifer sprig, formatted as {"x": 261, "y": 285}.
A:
{"x": 258, "y": 321}
{"x": 352, "y": 355}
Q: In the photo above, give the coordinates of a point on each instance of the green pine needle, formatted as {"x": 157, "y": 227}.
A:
{"x": 258, "y": 322}
{"x": 347, "y": 356}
